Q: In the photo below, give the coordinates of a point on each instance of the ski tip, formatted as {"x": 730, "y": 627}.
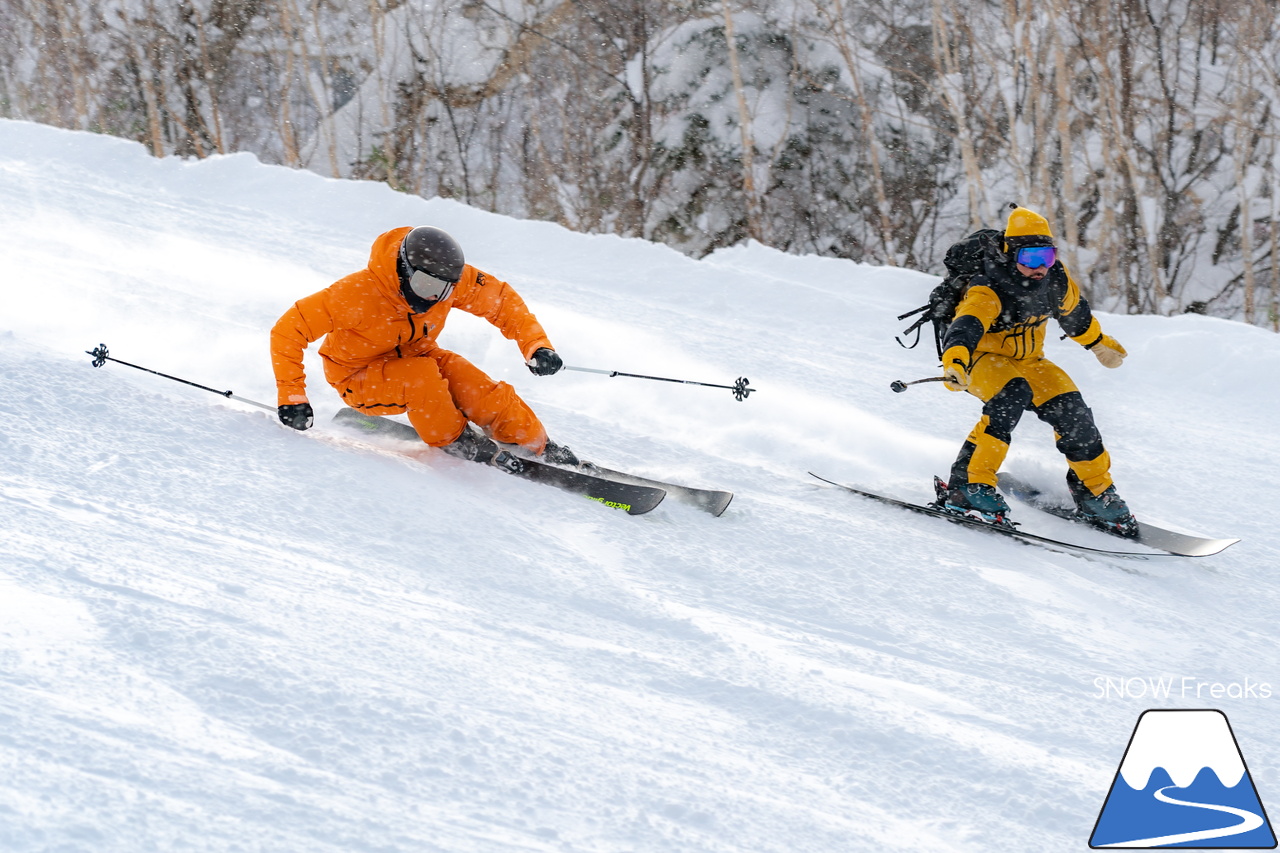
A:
{"x": 715, "y": 504}
{"x": 1201, "y": 548}
{"x": 353, "y": 420}
{"x": 1225, "y": 544}
{"x": 648, "y": 502}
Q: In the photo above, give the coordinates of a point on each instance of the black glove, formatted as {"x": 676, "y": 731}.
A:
{"x": 545, "y": 362}
{"x": 297, "y": 415}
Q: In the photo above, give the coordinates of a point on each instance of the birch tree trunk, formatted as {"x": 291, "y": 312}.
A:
{"x": 744, "y": 127}
{"x": 70, "y": 53}
{"x": 835, "y": 17}
{"x": 146, "y": 69}
{"x": 1070, "y": 208}
{"x": 948, "y": 71}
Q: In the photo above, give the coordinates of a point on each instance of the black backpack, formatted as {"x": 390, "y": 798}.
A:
{"x": 963, "y": 261}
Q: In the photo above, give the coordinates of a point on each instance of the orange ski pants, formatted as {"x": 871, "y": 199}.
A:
{"x": 441, "y": 391}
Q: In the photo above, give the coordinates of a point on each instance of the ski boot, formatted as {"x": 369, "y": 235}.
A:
{"x": 1106, "y": 511}
{"x": 558, "y": 454}
{"x": 473, "y": 446}
{"x": 974, "y": 500}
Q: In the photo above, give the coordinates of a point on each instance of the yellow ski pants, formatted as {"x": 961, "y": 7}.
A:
{"x": 1008, "y": 387}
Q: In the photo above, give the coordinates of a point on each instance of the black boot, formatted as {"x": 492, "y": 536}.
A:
{"x": 1107, "y": 511}
{"x": 473, "y": 446}
{"x": 558, "y": 454}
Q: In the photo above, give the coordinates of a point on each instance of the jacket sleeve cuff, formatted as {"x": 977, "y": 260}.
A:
{"x": 528, "y": 350}
{"x": 1090, "y": 337}
{"x": 290, "y": 397}
{"x": 957, "y": 354}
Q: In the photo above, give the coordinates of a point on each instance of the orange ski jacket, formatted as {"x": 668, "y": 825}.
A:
{"x": 364, "y": 319}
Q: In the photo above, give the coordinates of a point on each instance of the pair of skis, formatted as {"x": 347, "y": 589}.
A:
{"x": 1170, "y": 542}
{"x": 638, "y": 495}
{"x": 635, "y": 495}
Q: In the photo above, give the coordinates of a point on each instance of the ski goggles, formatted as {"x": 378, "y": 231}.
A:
{"x": 1035, "y": 257}
{"x": 425, "y": 285}
{"x": 429, "y": 287}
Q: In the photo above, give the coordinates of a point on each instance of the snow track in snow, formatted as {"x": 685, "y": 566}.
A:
{"x": 216, "y": 632}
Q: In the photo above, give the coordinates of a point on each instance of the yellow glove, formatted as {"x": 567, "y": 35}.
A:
{"x": 1108, "y": 351}
{"x": 955, "y": 368}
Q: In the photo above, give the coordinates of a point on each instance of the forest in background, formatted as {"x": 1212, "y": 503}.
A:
{"x": 877, "y": 130}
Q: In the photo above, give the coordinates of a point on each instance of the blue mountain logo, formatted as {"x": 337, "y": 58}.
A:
{"x": 1183, "y": 783}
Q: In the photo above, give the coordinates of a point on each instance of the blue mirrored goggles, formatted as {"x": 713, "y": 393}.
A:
{"x": 1035, "y": 257}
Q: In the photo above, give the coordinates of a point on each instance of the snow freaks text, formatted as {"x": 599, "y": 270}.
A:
{"x": 1178, "y": 687}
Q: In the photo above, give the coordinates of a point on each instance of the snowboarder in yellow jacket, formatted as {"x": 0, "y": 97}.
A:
{"x": 994, "y": 349}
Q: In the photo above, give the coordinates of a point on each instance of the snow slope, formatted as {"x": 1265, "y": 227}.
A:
{"x": 220, "y": 634}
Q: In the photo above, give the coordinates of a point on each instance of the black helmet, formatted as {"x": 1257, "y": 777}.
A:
{"x": 432, "y": 251}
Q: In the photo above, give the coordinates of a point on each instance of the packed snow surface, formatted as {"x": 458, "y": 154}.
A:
{"x": 217, "y": 633}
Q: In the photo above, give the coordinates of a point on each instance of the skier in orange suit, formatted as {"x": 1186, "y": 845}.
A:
{"x": 380, "y": 354}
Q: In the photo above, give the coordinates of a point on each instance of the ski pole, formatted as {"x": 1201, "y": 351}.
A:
{"x": 739, "y": 388}
{"x": 100, "y": 357}
{"x": 899, "y": 386}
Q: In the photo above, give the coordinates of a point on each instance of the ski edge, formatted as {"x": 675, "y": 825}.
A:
{"x": 1006, "y": 531}
{"x": 634, "y": 499}
{"x": 714, "y": 501}
{"x": 1150, "y": 535}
